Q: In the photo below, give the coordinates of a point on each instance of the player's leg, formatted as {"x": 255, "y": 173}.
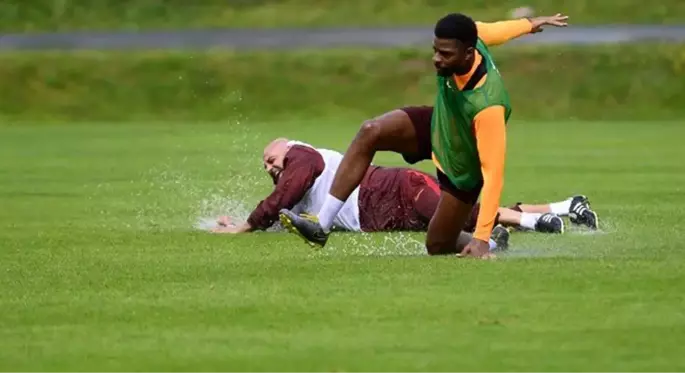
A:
{"x": 405, "y": 131}
{"x": 515, "y": 217}
{"x": 471, "y": 222}
{"x": 453, "y": 244}
{"x": 393, "y": 131}
{"x": 577, "y": 208}
{"x": 560, "y": 208}
{"x": 449, "y": 219}
{"x": 544, "y": 223}
{"x": 537, "y": 209}
{"x": 422, "y": 194}
{"x": 444, "y": 234}
{"x": 445, "y": 226}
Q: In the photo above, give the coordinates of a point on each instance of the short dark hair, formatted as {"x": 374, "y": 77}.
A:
{"x": 457, "y": 26}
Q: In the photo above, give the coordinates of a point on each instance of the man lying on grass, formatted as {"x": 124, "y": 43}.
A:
{"x": 388, "y": 199}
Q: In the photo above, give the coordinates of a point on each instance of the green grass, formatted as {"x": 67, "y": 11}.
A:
{"x": 41, "y": 15}
{"x": 101, "y": 268}
{"x": 623, "y": 82}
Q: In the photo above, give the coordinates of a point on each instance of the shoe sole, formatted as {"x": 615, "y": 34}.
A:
{"x": 596, "y": 227}
{"x": 504, "y": 247}
{"x": 288, "y": 224}
{"x": 587, "y": 203}
{"x": 585, "y": 224}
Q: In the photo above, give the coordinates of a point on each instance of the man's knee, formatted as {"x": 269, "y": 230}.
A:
{"x": 433, "y": 249}
{"x": 369, "y": 133}
{"x": 440, "y": 247}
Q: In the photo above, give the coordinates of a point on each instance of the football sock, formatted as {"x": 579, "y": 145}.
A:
{"x": 529, "y": 220}
{"x": 561, "y": 208}
{"x": 329, "y": 210}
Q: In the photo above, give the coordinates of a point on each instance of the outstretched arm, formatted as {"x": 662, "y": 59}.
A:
{"x": 297, "y": 178}
{"x": 302, "y": 166}
{"x": 234, "y": 229}
{"x": 497, "y": 33}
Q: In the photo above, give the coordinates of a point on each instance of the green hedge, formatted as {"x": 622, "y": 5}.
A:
{"x": 25, "y": 15}
{"x": 618, "y": 82}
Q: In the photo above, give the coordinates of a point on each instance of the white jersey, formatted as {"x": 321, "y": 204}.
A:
{"x": 348, "y": 217}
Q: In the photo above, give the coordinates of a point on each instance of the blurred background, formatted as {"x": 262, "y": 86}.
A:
{"x": 81, "y": 60}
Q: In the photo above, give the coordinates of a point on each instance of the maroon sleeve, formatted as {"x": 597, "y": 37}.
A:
{"x": 301, "y": 166}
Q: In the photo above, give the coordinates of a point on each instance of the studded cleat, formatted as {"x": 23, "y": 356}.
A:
{"x": 500, "y": 235}
{"x": 580, "y": 213}
{"x": 549, "y": 223}
{"x": 305, "y": 226}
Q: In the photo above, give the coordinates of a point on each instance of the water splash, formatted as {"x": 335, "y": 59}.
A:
{"x": 374, "y": 244}
{"x": 178, "y": 196}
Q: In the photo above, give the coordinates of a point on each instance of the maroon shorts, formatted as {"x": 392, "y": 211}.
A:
{"x": 420, "y": 117}
{"x": 421, "y": 193}
{"x": 469, "y": 196}
{"x": 396, "y": 199}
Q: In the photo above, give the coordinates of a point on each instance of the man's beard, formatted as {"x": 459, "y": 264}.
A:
{"x": 449, "y": 71}
{"x": 445, "y": 72}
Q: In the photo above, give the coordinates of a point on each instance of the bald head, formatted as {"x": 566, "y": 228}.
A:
{"x": 279, "y": 143}
{"x": 273, "y": 157}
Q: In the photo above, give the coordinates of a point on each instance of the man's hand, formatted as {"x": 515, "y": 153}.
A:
{"x": 226, "y": 225}
{"x": 477, "y": 248}
{"x": 225, "y": 221}
{"x": 557, "y": 20}
{"x": 229, "y": 230}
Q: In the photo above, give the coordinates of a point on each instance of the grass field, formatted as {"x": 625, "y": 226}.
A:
{"x": 102, "y": 269}
{"x": 50, "y": 15}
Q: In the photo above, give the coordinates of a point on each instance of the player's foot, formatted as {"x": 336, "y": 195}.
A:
{"x": 500, "y": 235}
{"x": 305, "y": 226}
{"x": 580, "y": 213}
{"x": 550, "y": 223}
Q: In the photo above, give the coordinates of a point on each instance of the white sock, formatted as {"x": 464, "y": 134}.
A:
{"x": 330, "y": 209}
{"x": 493, "y": 244}
{"x": 561, "y": 208}
{"x": 529, "y": 220}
